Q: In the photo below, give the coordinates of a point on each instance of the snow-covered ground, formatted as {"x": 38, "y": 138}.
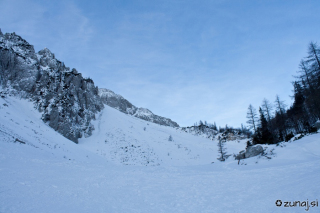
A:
{"x": 129, "y": 165}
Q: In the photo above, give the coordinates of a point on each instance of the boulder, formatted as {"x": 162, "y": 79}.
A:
{"x": 241, "y": 155}
{"x": 252, "y": 151}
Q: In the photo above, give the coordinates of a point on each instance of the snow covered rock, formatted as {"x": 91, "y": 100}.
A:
{"x": 116, "y": 101}
{"x": 252, "y": 151}
{"x": 241, "y": 155}
{"x": 68, "y": 101}
{"x": 18, "y": 62}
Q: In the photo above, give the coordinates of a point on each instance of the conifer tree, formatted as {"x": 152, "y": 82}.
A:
{"x": 280, "y": 118}
{"x": 263, "y": 135}
{"x": 252, "y": 117}
{"x": 267, "y": 108}
{"x": 221, "y": 148}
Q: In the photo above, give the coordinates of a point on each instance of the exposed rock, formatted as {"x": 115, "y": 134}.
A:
{"x": 241, "y": 155}
{"x": 252, "y": 151}
{"x": 68, "y": 101}
{"x": 116, "y": 101}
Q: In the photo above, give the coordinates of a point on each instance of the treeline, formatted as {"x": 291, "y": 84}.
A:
{"x": 204, "y": 125}
{"x": 274, "y": 122}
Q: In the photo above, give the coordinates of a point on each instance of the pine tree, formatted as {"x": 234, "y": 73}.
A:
{"x": 280, "y": 118}
{"x": 263, "y": 135}
{"x": 297, "y": 114}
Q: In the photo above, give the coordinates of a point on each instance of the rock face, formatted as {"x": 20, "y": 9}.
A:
{"x": 67, "y": 101}
{"x": 116, "y": 101}
{"x": 252, "y": 151}
{"x": 18, "y": 62}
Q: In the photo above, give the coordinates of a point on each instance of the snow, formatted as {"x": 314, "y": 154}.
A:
{"x": 123, "y": 139}
{"x": 143, "y": 112}
{"x": 52, "y": 174}
{"x": 108, "y": 93}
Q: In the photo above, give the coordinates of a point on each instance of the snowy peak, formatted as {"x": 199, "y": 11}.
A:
{"x": 116, "y": 101}
{"x": 106, "y": 93}
{"x": 12, "y": 41}
{"x": 48, "y": 61}
{"x": 143, "y": 112}
{"x": 46, "y": 54}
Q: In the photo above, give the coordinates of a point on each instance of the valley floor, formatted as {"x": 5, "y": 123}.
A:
{"x": 51, "y": 174}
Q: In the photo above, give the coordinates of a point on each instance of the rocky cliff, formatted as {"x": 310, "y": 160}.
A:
{"x": 67, "y": 101}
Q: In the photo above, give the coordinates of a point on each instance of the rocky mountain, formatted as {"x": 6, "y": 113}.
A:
{"x": 67, "y": 100}
{"x": 123, "y": 105}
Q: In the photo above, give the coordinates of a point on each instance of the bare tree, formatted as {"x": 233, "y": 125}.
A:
{"x": 305, "y": 74}
{"x": 280, "y": 106}
{"x": 252, "y": 117}
{"x": 222, "y": 150}
{"x": 314, "y": 57}
{"x": 267, "y": 108}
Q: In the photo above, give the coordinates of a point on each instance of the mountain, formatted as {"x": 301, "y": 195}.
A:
{"x": 68, "y": 102}
{"x": 118, "y": 102}
{"x": 130, "y": 165}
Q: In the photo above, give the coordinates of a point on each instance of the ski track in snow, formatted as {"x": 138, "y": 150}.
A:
{"x": 124, "y": 168}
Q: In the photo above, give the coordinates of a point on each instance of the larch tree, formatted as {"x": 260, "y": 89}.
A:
{"x": 267, "y": 108}
{"x": 221, "y": 148}
{"x": 252, "y": 117}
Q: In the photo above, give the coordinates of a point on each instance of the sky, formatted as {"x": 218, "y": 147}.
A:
{"x": 185, "y": 60}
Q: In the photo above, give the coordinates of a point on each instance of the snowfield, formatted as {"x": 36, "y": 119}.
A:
{"x": 129, "y": 165}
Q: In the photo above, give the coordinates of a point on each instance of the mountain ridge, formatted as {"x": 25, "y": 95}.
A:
{"x": 67, "y": 100}
{"x": 123, "y": 105}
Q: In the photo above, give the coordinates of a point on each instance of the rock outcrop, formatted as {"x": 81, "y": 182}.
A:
{"x": 252, "y": 151}
{"x": 68, "y": 101}
{"x": 116, "y": 101}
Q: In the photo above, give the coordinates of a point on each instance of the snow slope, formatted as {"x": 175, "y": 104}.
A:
{"x": 52, "y": 174}
{"x": 124, "y": 139}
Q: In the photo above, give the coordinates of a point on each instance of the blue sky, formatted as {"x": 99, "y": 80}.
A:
{"x": 186, "y": 60}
